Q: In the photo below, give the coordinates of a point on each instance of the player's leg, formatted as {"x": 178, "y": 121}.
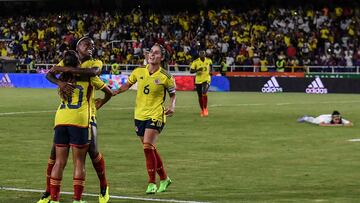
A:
{"x": 309, "y": 119}
{"x": 61, "y": 141}
{"x": 200, "y": 98}
{"x": 45, "y": 198}
{"x": 98, "y": 162}
{"x": 62, "y": 153}
{"x": 79, "y": 143}
{"x": 204, "y": 90}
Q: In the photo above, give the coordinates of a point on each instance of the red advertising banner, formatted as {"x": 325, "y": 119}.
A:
{"x": 185, "y": 83}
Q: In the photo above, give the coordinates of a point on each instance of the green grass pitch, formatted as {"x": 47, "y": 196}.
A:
{"x": 249, "y": 149}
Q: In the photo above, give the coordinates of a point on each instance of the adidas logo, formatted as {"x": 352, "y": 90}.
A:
{"x": 5, "y": 81}
{"x": 316, "y": 87}
{"x": 272, "y": 86}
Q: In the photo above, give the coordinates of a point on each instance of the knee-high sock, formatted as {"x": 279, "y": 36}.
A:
{"x": 99, "y": 165}
{"x": 50, "y": 166}
{"x": 150, "y": 156}
{"x": 204, "y": 100}
{"x": 79, "y": 184}
{"x": 201, "y": 102}
{"x": 55, "y": 184}
{"x": 159, "y": 166}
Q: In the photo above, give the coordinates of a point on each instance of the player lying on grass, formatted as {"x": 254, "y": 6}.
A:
{"x": 333, "y": 119}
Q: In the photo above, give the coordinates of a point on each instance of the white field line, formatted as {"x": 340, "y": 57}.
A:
{"x": 354, "y": 140}
{"x": 111, "y": 196}
{"x": 212, "y": 105}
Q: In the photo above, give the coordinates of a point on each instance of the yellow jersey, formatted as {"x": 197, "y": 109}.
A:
{"x": 76, "y": 110}
{"x": 203, "y": 75}
{"x": 95, "y": 81}
{"x": 151, "y": 92}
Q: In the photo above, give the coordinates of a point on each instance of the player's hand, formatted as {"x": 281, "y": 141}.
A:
{"x": 66, "y": 89}
{"x": 169, "y": 111}
{"x": 98, "y": 103}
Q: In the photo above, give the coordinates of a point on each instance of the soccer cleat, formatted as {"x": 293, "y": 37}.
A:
{"x": 164, "y": 184}
{"x": 151, "y": 189}
{"x": 79, "y": 201}
{"x": 206, "y": 112}
{"x": 104, "y": 196}
{"x": 202, "y": 113}
{"x": 302, "y": 119}
{"x": 45, "y": 198}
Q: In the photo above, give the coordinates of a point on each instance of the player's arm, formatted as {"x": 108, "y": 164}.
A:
{"x": 89, "y": 72}
{"x": 170, "y": 110}
{"x": 123, "y": 88}
{"x": 108, "y": 94}
{"x": 66, "y": 88}
{"x": 131, "y": 80}
{"x": 171, "y": 89}
{"x": 329, "y": 124}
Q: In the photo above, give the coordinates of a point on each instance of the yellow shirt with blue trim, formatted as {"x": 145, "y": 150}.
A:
{"x": 76, "y": 110}
{"x": 151, "y": 92}
{"x": 203, "y": 75}
{"x": 95, "y": 81}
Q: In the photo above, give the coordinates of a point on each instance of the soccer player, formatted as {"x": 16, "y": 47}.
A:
{"x": 202, "y": 66}
{"x": 334, "y": 119}
{"x": 72, "y": 130}
{"x": 150, "y": 115}
{"x": 88, "y": 67}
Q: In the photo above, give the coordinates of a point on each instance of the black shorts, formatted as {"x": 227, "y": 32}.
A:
{"x": 70, "y": 135}
{"x": 140, "y": 126}
{"x": 202, "y": 88}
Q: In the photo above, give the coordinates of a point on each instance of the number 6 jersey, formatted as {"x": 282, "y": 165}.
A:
{"x": 151, "y": 92}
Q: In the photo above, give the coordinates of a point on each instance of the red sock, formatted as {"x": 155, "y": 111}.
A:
{"x": 160, "y": 167}
{"x": 55, "y": 185}
{"x": 201, "y": 102}
{"x": 78, "y": 184}
{"x": 99, "y": 165}
{"x": 50, "y": 166}
{"x": 151, "y": 163}
{"x": 204, "y": 100}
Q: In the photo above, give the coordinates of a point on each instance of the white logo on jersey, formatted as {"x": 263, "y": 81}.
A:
{"x": 316, "y": 87}
{"x": 272, "y": 86}
{"x": 5, "y": 81}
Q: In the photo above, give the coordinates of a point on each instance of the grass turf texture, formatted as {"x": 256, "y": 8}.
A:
{"x": 250, "y": 148}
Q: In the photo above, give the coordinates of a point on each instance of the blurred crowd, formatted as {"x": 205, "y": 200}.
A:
{"x": 298, "y": 37}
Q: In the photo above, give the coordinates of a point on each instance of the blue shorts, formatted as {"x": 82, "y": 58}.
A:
{"x": 140, "y": 126}
{"x": 70, "y": 135}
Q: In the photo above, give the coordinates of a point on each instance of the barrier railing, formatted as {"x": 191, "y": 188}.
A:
{"x": 184, "y": 69}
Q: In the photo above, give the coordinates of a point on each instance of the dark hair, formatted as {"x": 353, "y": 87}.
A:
{"x": 335, "y": 113}
{"x": 71, "y": 58}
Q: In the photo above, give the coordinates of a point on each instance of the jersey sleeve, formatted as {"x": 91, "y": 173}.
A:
{"x": 170, "y": 85}
{"x": 97, "y": 64}
{"x": 97, "y": 82}
{"x": 193, "y": 65}
{"x": 132, "y": 79}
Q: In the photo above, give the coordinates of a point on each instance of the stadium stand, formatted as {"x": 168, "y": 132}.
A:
{"x": 257, "y": 37}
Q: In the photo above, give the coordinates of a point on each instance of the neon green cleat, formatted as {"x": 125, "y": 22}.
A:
{"x": 164, "y": 184}
{"x": 80, "y": 201}
{"x": 45, "y": 198}
{"x": 104, "y": 198}
{"x": 151, "y": 189}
